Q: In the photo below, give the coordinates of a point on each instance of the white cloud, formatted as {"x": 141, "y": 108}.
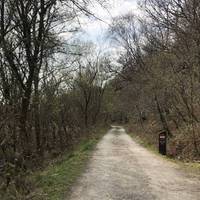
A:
{"x": 123, "y": 6}
{"x": 95, "y": 29}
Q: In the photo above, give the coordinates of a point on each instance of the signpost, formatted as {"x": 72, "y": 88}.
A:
{"x": 163, "y": 142}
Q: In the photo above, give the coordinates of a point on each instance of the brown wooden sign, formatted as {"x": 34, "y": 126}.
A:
{"x": 163, "y": 142}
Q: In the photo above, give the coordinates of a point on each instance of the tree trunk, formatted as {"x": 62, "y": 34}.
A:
{"x": 24, "y": 137}
{"x": 37, "y": 117}
{"x": 162, "y": 117}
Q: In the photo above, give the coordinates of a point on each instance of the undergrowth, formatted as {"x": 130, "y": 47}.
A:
{"x": 54, "y": 182}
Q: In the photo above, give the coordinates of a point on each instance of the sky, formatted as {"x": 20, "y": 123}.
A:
{"x": 95, "y": 30}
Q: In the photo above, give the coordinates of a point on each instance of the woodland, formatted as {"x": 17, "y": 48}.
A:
{"x": 55, "y": 90}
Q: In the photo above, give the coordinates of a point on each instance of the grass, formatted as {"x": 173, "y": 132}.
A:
{"x": 186, "y": 166}
{"x": 55, "y": 181}
{"x": 144, "y": 142}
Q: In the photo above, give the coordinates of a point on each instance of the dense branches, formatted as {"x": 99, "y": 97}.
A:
{"x": 160, "y": 68}
{"x": 39, "y": 114}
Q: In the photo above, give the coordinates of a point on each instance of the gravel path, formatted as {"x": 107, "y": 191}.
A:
{"x": 120, "y": 169}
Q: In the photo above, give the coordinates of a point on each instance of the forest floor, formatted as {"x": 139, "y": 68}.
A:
{"x": 121, "y": 169}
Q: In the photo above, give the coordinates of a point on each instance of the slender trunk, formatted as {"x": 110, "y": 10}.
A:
{"x": 140, "y": 118}
{"x": 67, "y": 135}
{"x": 24, "y": 137}
{"x": 178, "y": 111}
{"x": 192, "y": 114}
{"x": 14, "y": 139}
{"x": 162, "y": 117}
{"x": 60, "y": 139}
{"x": 98, "y": 109}
{"x": 86, "y": 115}
{"x": 54, "y": 136}
{"x": 37, "y": 117}
{"x": 86, "y": 120}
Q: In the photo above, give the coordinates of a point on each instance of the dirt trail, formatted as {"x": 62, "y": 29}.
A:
{"x": 120, "y": 169}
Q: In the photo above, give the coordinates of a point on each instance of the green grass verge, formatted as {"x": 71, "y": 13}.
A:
{"x": 186, "y": 166}
{"x": 54, "y": 182}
